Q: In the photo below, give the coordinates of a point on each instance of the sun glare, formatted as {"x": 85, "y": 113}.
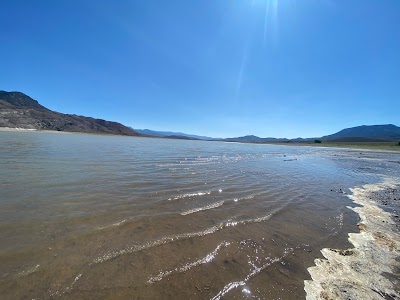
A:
{"x": 270, "y": 17}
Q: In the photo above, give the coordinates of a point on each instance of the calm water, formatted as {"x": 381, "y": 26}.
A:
{"x": 106, "y": 217}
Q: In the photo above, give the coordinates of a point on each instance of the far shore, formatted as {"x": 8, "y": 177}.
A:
{"x": 9, "y": 129}
{"x": 33, "y": 130}
{"x": 362, "y": 146}
{"x": 382, "y": 146}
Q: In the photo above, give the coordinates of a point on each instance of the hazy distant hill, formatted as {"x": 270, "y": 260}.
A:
{"x": 173, "y": 134}
{"x": 18, "y": 110}
{"x": 372, "y": 132}
{"x": 251, "y": 139}
{"x": 256, "y": 139}
{"x": 179, "y": 137}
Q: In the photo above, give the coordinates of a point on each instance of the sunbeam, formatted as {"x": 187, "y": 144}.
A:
{"x": 241, "y": 71}
{"x": 270, "y": 18}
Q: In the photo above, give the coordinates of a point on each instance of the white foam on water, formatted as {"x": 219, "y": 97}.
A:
{"x": 29, "y": 271}
{"x": 189, "y": 195}
{"x": 114, "y": 224}
{"x": 207, "y": 207}
{"x": 257, "y": 266}
{"x": 179, "y": 169}
{"x": 217, "y": 204}
{"x": 357, "y": 273}
{"x": 68, "y": 289}
{"x": 209, "y": 257}
{"x": 113, "y": 254}
{"x": 110, "y": 255}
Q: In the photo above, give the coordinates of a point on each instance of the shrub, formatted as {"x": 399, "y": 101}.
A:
{"x": 317, "y": 141}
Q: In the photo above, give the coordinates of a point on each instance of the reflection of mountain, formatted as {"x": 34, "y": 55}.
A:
{"x": 18, "y": 110}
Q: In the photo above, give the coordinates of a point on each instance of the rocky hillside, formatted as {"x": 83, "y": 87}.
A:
{"x": 387, "y": 132}
{"x": 18, "y": 110}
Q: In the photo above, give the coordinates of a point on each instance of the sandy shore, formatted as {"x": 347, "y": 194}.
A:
{"x": 9, "y": 129}
{"x": 367, "y": 271}
{"x": 391, "y": 147}
{"x": 16, "y": 129}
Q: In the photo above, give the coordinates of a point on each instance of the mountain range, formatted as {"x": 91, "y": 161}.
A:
{"x": 372, "y": 133}
{"x": 171, "y": 134}
{"x": 364, "y": 133}
{"x": 18, "y": 110}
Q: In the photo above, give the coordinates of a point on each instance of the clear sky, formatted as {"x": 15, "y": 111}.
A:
{"x": 222, "y": 68}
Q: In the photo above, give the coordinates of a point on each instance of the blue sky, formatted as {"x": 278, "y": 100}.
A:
{"x": 223, "y": 68}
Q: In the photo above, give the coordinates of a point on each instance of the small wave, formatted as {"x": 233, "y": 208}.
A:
{"x": 29, "y": 271}
{"x": 178, "y": 169}
{"x": 165, "y": 240}
{"x": 73, "y": 283}
{"x": 246, "y": 197}
{"x": 256, "y": 267}
{"x": 211, "y": 206}
{"x": 111, "y": 255}
{"x": 209, "y": 257}
{"x": 217, "y": 204}
{"x": 114, "y": 224}
{"x": 185, "y": 164}
{"x": 190, "y": 195}
{"x": 67, "y": 290}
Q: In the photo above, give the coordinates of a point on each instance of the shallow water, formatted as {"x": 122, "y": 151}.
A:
{"x": 86, "y": 216}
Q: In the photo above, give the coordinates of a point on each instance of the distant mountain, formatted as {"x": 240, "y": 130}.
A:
{"x": 245, "y": 139}
{"x": 179, "y": 137}
{"x": 18, "y": 110}
{"x": 256, "y": 139}
{"x": 173, "y": 134}
{"x": 252, "y": 139}
{"x": 387, "y": 132}
{"x": 373, "y": 133}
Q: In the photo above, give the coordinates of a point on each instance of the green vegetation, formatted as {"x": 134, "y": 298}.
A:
{"x": 317, "y": 141}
